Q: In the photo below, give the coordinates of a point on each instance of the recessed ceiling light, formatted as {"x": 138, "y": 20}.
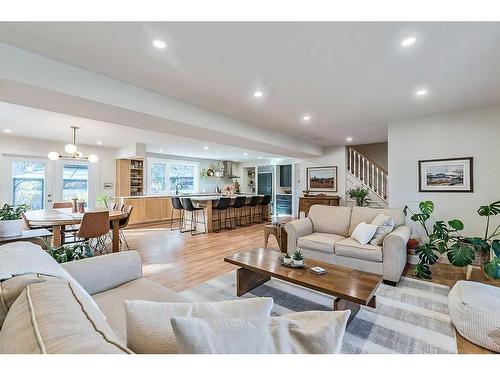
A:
{"x": 236, "y": 160}
{"x": 245, "y": 153}
{"x": 206, "y": 147}
{"x": 160, "y": 44}
{"x": 421, "y": 92}
{"x": 161, "y": 150}
{"x": 409, "y": 41}
{"x": 216, "y": 157}
{"x": 260, "y": 157}
{"x": 99, "y": 143}
{"x": 258, "y": 94}
{"x": 7, "y": 131}
{"x": 306, "y": 117}
{"x": 349, "y": 139}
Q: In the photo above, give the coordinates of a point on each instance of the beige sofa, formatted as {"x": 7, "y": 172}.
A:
{"x": 325, "y": 236}
{"x": 74, "y": 308}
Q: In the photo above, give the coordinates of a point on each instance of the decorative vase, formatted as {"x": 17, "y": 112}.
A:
{"x": 287, "y": 260}
{"x": 11, "y": 228}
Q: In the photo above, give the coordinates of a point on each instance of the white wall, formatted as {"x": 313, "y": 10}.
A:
{"x": 104, "y": 170}
{"x": 376, "y": 152}
{"x": 475, "y": 133}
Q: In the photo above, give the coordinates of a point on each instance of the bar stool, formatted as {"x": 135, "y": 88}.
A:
{"x": 264, "y": 202}
{"x": 187, "y": 203}
{"x": 176, "y": 205}
{"x": 252, "y": 207}
{"x": 237, "y": 206}
{"x": 222, "y": 205}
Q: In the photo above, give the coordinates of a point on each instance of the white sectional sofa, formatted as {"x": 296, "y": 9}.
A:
{"x": 77, "y": 307}
{"x": 325, "y": 236}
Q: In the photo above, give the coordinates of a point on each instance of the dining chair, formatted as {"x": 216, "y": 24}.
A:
{"x": 123, "y": 224}
{"x": 69, "y": 229}
{"x": 93, "y": 230}
{"x": 62, "y": 205}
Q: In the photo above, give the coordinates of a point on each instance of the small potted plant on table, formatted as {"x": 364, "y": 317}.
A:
{"x": 287, "y": 259}
{"x": 11, "y": 220}
{"x": 298, "y": 258}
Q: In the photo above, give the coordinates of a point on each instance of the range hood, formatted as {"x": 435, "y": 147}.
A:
{"x": 228, "y": 169}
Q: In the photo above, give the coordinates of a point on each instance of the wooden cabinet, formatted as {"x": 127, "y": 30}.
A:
{"x": 285, "y": 175}
{"x": 305, "y": 203}
{"x": 129, "y": 177}
{"x": 148, "y": 210}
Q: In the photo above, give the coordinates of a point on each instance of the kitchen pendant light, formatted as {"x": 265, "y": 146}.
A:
{"x": 72, "y": 151}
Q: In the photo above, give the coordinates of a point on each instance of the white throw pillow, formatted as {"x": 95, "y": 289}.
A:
{"x": 310, "y": 332}
{"x": 363, "y": 232}
{"x": 148, "y": 323}
{"x": 385, "y": 226}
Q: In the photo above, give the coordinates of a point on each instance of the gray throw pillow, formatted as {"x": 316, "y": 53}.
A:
{"x": 385, "y": 226}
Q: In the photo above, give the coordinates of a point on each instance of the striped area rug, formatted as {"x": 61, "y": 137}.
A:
{"x": 410, "y": 318}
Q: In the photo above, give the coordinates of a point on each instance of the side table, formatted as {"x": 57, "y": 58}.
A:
{"x": 278, "y": 230}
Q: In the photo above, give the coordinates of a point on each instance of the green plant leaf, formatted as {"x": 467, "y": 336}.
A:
{"x": 479, "y": 244}
{"x": 440, "y": 230}
{"x": 461, "y": 254}
{"x": 456, "y": 224}
{"x": 442, "y": 247}
{"x": 420, "y": 217}
{"x": 495, "y": 245}
{"x": 492, "y": 269}
{"x": 422, "y": 271}
{"x": 426, "y": 254}
{"x": 427, "y": 207}
{"x": 491, "y": 209}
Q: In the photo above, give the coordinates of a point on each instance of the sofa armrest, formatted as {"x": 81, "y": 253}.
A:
{"x": 100, "y": 273}
{"x": 394, "y": 252}
{"x": 295, "y": 229}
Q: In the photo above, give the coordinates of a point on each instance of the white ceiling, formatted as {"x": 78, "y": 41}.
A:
{"x": 34, "y": 123}
{"x": 353, "y": 78}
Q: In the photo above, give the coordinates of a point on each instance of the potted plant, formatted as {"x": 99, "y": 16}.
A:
{"x": 11, "y": 220}
{"x": 287, "y": 259}
{"x": 68, "y": 253}
{"x": 298, "y": 258}
{"x": 103, "y": 200}
{"x": 360, "y": 195}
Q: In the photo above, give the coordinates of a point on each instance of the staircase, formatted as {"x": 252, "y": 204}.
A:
{"x": 363, "y": 171}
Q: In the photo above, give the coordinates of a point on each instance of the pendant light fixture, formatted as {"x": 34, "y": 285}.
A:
{"x": 72, "y": 151}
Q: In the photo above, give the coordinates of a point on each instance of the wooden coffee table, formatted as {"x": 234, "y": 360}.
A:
{"x": 350, "y": 288}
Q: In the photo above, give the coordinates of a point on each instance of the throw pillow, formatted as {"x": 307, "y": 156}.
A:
{"x": 310, "y": 332}
{"x": 363, "y": 232}
{"x": 385, "y": 226}
{"x": 148, "y": 323}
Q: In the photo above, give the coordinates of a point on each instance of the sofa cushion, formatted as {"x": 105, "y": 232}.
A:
{"x": 54, "y": 317}
{"x": 367, "y": 214}
{"x": 330, "y": 219}
{"x": 308, "y": 332}
{"x": 112, "y": 302}
{"x": 149, "y": 330}
{"x": 351, "y": 248}
{"x": 324, "y": 242}
{"x": 24, "y": 263}
{"x": 385, "y": 226}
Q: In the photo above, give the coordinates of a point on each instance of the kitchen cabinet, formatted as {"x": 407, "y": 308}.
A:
{"x": 285, "y": 176}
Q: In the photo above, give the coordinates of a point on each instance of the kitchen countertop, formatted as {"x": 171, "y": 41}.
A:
{"x": 197, "y": 196}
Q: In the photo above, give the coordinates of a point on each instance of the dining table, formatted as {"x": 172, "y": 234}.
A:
{"x": 59, "y": 218}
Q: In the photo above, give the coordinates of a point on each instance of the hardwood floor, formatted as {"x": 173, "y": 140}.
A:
{"x": 180, "y": 261}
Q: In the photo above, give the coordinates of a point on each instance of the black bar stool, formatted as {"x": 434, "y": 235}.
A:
{"x": 187, "y": 203}
{"x": 237, "y": 206}
{"x": 252, "y": 207}
{"x": 222, "y": 205}
{"x": 263, "y": 203}
{"x": 176, "y": 205}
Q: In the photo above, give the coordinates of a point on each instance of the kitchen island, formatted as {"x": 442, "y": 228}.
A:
{"x": 155, "y": 209}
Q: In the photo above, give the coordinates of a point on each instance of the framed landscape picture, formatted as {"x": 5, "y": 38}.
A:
{"x": 445, "y": 175}
{"x": 322, "y": 179}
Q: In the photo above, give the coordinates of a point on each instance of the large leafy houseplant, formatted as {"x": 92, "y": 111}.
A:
{"x": 9, "y": 212}
{"x": 360, "y": 195}
{"x": 11, "y": 223}
{"x": 446, "y": 238}
{"x": 68, "y": 252}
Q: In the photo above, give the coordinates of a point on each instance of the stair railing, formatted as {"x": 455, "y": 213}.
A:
{"x": 368, "y": 172}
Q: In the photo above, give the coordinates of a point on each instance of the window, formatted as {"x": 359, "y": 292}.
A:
{"x": 75, "y": 182}
{"x": 28, "y": 184}
{"x": 166, "y": 175}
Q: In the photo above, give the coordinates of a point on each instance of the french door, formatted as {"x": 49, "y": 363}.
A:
{"x": 27, "y": 181}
